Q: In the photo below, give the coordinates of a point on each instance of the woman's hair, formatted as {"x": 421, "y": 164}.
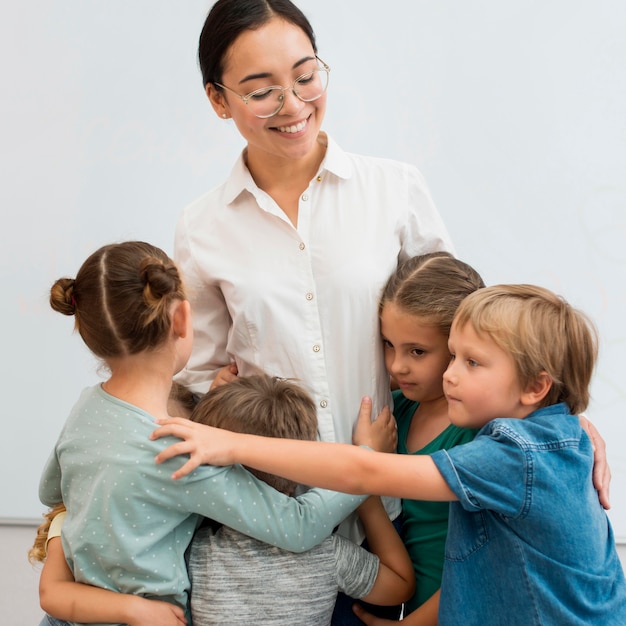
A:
{"x": 542, "y": 333}
{"x": 38, "y": 551}
{"x": 229, "y": 18}
{"x": 431, "y": 286}
{"x": 121, "y": 298}
{"x": 261, "y": 405}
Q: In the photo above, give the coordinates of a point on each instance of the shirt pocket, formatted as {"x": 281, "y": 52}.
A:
{"x": 467, "y": 533}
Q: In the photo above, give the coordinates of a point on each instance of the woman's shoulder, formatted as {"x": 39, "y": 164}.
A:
{"x": 364, "y": 163}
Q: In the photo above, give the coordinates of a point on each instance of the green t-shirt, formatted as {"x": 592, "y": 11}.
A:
{"x": 425, "y": 524}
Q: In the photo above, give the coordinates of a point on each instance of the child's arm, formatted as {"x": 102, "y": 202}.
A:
{"x": 65, "y": 599}
{"x": 395, "y": 581}
{"x": 425, "y": 615}
{"x": 340, "y": 467}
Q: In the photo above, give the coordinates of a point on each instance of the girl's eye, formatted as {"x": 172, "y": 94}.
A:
{"x": 452, "y": 357}
{"x": 387, "y": 344}
{"x": 472, "y": 363}
{"x": 418, "y": 352}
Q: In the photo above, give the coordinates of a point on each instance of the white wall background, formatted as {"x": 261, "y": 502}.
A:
{"x": 513, "y": 110}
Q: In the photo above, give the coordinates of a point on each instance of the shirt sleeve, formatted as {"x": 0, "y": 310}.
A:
{"x": 424, "y": 230}
{"x": 50, "y": 482}
{"x": 234, "y": 497}
{"x": 55, "y": 527}
{"x": 211, "y": 320}
{"x": 491, "y": 472}
{"x": 357, "y": 568}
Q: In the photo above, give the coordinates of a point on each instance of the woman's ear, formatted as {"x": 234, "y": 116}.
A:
{"x": 217, "y": 100}
{"x": 537, "y": 389}
{"x": 181, "y": 318}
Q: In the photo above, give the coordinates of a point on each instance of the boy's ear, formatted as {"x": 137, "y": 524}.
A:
{"x": 537, "y": 389}
{"x": 180, "y": 318}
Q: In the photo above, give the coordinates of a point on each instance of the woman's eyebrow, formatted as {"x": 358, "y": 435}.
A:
{"x": 269, "y": 75}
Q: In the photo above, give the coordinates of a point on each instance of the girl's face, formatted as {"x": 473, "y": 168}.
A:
{"x": 481, "y": 382}
{"x": 416, "y": 353}
{"x": 275, "y": 54}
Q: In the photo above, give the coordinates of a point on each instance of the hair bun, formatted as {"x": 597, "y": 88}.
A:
{"x": 160, "y": 279}
{"x": 62, "y": 296}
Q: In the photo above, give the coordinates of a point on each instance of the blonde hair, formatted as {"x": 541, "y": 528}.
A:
{"x": 261, "y": 405}
{"x": 38, "y": 551}
{"x": 542, "y": 332}
{"x": 431, "y": 286}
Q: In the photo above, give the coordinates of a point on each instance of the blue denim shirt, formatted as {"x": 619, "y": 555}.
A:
{"x": 528, "y": 541}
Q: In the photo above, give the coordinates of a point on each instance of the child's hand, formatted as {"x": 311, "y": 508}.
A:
{"x": 156, "y": 613}
{"x": 225, "y": 375}
{"x": 601, "y": 469}
{"x": 204, "y": 444}
{"x": 381, "y": 434}
{"x": 369, "y": 619}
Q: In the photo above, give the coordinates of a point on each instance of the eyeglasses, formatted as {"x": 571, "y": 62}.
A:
{"x": 268, "y": 101}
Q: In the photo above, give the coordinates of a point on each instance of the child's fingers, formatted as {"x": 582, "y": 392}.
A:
{"x": 365, "y": 410}
{"x": 187, "y": 468}
{"x": 176, "y": 449}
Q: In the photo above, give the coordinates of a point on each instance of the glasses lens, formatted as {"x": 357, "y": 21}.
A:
{"x": 265, "y": 102}
{"x": 311, "y": 86}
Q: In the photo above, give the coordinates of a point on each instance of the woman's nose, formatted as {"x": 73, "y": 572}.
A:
{"x": 292, "y": 105}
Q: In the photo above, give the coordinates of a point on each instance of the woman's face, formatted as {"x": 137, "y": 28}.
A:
{"x": 275, "y": 54}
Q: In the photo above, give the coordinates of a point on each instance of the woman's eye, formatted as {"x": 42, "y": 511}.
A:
{"x": 261, "y": 94}
{"x": 307, "y": 78}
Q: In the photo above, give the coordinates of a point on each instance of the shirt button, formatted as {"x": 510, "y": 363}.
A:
{"x": 323, "y": 404}
{"x": 319, "y": 179}
{"x": 305, "y": 197}
{"x": 316, "y": 348}
{"x": 309, "y": 296}
{"x": 301, "y": 246}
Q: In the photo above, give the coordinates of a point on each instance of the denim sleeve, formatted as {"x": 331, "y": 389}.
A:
{"x": 236, "y": 498}
{"x": 488, "y": 474}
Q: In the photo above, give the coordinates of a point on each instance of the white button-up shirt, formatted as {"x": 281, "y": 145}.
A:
{"x": 303, "y": 302}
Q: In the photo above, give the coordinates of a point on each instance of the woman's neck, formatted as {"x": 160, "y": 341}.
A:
{"x": 273, "y": 172}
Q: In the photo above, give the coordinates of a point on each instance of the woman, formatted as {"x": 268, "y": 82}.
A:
{"x": 286, "y": 259}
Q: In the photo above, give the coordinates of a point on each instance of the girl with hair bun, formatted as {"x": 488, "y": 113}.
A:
{"x": 128, "y": 524}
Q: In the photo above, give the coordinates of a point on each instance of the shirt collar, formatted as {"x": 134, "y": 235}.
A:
{"x": 336, "y": 162}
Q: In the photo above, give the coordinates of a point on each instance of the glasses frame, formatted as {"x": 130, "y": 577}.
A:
{"x": 325, "y": 67}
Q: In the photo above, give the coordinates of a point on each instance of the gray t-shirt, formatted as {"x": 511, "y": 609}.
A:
{"x": 236, "y": 579}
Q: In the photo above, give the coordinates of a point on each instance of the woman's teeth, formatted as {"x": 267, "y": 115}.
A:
{"x": 296, "y": 128}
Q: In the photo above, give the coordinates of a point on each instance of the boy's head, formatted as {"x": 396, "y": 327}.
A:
{"x": 181, "y": 401}
{"x": 261, "y": 405}
{"x": 552, "y": 346}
